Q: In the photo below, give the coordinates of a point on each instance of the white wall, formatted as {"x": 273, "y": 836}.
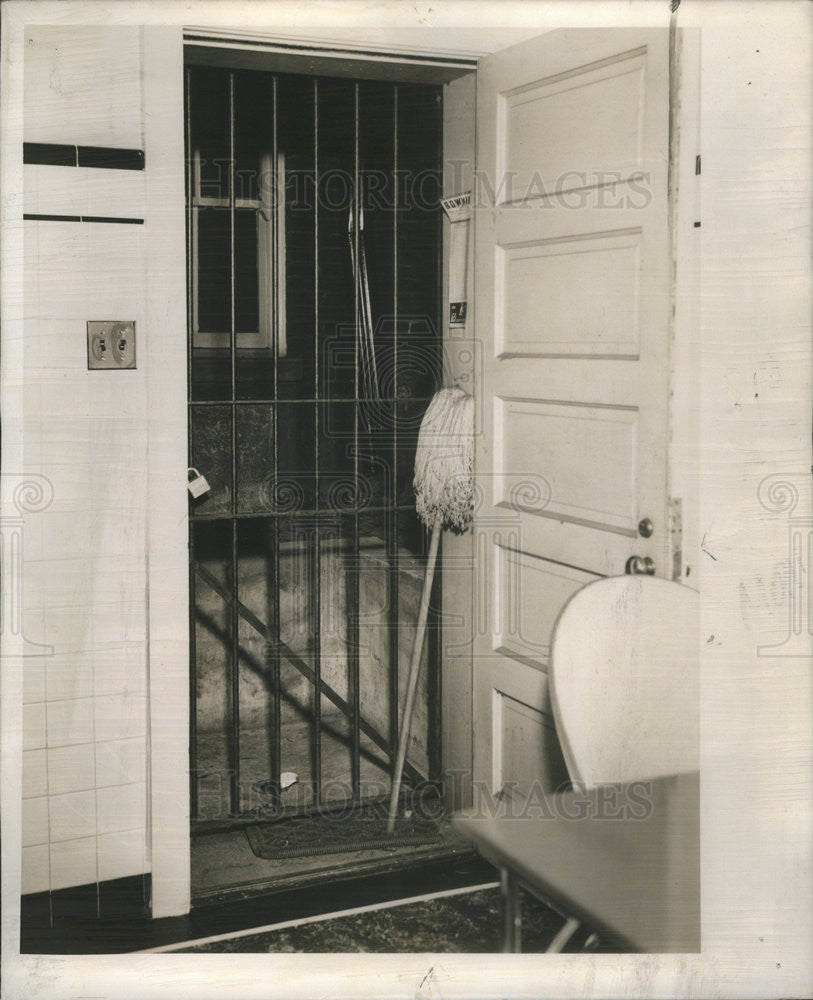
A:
{"x": 755, "y": 403}
{"x": 104, "y": 584}
{"x": 85, "y": 715}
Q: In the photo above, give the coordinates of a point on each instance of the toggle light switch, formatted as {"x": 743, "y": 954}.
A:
{"x": 111, "y": 344}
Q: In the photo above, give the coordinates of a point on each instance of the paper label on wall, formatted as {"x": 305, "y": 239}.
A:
{"x": 458, "y": 277}
{"x": 457, "y": 314}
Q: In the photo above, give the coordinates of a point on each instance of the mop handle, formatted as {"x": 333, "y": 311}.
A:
{"x": 414, "y": 671}
{"x": 367, "y": 311}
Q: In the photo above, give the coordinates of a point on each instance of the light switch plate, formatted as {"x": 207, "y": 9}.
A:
{"x": 111, "y": 344}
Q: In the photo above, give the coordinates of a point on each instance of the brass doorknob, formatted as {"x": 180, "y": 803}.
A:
{"x": 640, "y": 564}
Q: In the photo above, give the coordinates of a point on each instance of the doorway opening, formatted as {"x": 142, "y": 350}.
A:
{"x": 314, "y": 256}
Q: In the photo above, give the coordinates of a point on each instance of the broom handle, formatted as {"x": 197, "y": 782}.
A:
{"x": 414, "y": 671}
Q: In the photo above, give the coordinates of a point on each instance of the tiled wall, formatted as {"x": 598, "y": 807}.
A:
{"x": 85, "y": 571}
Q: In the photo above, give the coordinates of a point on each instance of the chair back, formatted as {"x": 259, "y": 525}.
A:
{"x": 624, "y": 680}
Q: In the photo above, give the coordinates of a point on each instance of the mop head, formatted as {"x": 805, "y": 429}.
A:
{"x": 444, "y": 462}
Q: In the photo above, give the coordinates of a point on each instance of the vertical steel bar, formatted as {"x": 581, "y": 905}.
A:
{"x": 314, "y": 584}
{"x": 271, "y": 534}
{"x": 317, "y": 535}
{"x": 234, "y": 688}
{"x": 276, "y": 720}
{"x": 434, "y": 662}
{"x": 392, "y": 540}
{"x": 193, "y": 678}
{"x": 276, "y": 249}
{"x": 276, "y": 735}
{"x": 353, "y": 592}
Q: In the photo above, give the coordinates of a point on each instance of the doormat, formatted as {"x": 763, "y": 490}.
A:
{"x": 361, "y": 829}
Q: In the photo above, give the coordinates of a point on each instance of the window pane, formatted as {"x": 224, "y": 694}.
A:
{"x": 253, "y": 131}
{"x": 245, "y": 271}
{"x": 296, "y": 138}
{"x": 214, "y": 292}
{"x": 209, "y": 106}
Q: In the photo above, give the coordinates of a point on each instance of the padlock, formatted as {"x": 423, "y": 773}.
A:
{"x": 197, "y": 483}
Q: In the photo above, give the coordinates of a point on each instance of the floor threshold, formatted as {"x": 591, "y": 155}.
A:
{"x": 238, "y": 913}
{"x": 342, "y": 871}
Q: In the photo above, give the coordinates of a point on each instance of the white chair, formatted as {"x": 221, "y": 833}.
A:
{"x": 624, "y": 688}
{"x": 624, "y": 685}
{"x": 624, "y": 680}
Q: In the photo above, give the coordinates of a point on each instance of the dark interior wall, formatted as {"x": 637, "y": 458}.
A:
{"x": 313, "y": 453}
{"x": 375, "y": 142}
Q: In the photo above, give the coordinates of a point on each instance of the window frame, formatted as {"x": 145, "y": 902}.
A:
{"x": 271, "y": 272}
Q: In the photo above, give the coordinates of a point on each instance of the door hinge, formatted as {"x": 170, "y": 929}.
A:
{"x": 676, "y": 535}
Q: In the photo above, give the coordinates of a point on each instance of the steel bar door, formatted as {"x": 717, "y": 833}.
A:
{"x": 305, "y": 551}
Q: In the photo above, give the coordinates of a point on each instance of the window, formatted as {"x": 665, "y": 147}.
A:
{"x": 258, "y": 232}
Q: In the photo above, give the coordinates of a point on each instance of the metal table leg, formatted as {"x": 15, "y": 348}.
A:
{"x": 511, "y": 913}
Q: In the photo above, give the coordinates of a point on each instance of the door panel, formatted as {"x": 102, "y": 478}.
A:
{"x": 606, "y": 100}
{"x": 604, "y": 323}
{"x": 527, "y": 752}
{"x": 596, "y": 434}
{"x": 572, "y": 309}
{"x": 523, "y": 624}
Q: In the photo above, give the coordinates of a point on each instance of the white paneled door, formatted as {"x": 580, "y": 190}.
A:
{"x": 573, "y": 296}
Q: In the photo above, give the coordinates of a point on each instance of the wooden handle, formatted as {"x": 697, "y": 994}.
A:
{"x": 414, "y": 671}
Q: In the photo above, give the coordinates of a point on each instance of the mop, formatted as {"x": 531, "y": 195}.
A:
{"x": 444, "y": 485}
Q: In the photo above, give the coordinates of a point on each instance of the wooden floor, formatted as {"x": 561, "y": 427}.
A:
{"x": 223, "y": 862}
